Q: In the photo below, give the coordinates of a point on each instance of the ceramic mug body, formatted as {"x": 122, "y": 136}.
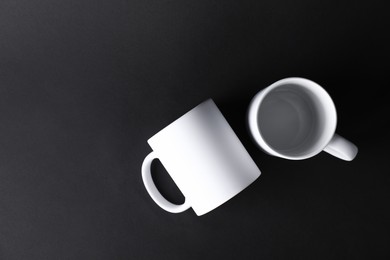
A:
{"x": 204, "y": 157}
{"x": 295, "y": 118}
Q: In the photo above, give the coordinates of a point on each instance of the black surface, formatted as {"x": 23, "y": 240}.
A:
{"x": 84, "y": 84}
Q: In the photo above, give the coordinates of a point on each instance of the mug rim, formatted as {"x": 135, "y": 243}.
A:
{"x": 179, "y": 118}
{"x": 254, "y": 107}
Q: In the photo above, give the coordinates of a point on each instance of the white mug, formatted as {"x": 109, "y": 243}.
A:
{"x": 295, "y": 118}
{"x": 204, "y": 157}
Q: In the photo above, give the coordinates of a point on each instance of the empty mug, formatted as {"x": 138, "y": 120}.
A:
{"x": 295, "y": 118}
{"x": 204, "y": 157}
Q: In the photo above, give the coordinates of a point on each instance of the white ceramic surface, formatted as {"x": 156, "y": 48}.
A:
{"x": 295, "y": 118}
{"x": 204, "y": 157}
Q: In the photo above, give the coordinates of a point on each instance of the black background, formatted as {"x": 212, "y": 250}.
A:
{"x": 84, "y": 84}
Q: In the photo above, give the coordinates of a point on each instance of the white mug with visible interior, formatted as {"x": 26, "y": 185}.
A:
{"x": 204, "y": 157}
{"x": 295, "y": 118}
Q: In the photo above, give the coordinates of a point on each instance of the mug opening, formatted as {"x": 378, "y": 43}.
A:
{"x": 296, "y": 118}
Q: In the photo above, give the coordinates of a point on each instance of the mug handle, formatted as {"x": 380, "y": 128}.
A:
{"x": 153, "y": 191}
{"x": 341, "y": 148}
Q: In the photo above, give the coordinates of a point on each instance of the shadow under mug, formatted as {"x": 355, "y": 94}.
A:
{"x": 204, "y": 157}
{"x": 295, "y": 118}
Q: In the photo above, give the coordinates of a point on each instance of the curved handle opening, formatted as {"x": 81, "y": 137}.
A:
{"x": 154, "y": 192}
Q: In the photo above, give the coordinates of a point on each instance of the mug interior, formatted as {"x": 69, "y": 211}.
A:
{"x": 296, "y": 120}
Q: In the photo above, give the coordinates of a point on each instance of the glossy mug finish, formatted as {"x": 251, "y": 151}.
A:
{"x": 295, "y": 118}
{"x": 204, "y": 157}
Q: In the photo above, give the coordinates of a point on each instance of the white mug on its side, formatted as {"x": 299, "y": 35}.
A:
{"x": 295, "y": 118}
{"x": 204, "y": 157}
